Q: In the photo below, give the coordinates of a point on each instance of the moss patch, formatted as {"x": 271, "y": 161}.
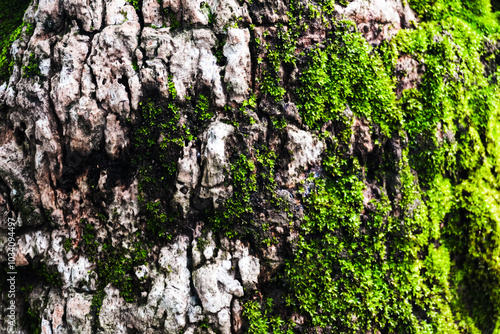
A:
{"x": 11, "y": 25}
{"x": 415, "y": 261}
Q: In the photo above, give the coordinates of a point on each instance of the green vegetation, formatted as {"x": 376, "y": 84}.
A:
{"x": 11, "y": 26}
{"x": 37, "y": 274}
{"x": 218, "y": 51}
{"x": 171, "y": 17}
{"x": 159, "y": 137}
{"x": 345, "y": 73}
{"x": 261, "y": 322}
{"x": 115, "y": 264}
{"x": 136, "y": 3}
{"x": 96, "y": 303}
{"x": 208, "y": 10}
{"x": 238, "y": 209}
{"x": 461, "y": 104}
{"x": 423, "y": 259}
{"x": 204, "y": 114}
{"x": 475, "y": 13}
{"x": 30, "y": 319}
{"x": 68, "y": 244}
{"x": 158, "y": 141}
{"x": 51, "y": 277}
{"x": 33, "y": 67}
{"x": 251, "y": 176}
{"x": 202, "y": 109}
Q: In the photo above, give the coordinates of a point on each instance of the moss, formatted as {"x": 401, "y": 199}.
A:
{"x": 203, "y": 115}
{"x": 218, "y": 52}
{"x": 11, "y": 26}
{"x": 415, "y": 262}
{"x": 477, "y": 13}
{"x": 49, "y": 275}
{"x": 32, "y": 69}
{"x": 251, "y": 176}
{"x": 459, "y": 103}
{"x": 419, "y": 258}
{"x": 208, "y": 10}
{"x": 238, "y": 210}
{"x": 171, "y": 17}
{"x": 115, "y": 265}
{"x": 136, "y": 3}
{"x": 95, "y": 308}
{"x": 68, "y": 244}
{"x": 260, "y": 320}
{"x": 158, "y": 140}
{"x": 44, "y": 278}
{"x": 31, "y": 320}
{"x": 347, "y": 73}
{"x": 158, "y": 220}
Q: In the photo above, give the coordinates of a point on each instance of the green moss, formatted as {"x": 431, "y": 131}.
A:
{"x": 172, "y": 19}
{"x": 369, "y": 274}
{"x": 115, "y": 265}
{"x": 31, "y": 320}
{"x": 477, "y": 13}
{"x": 29, "y": 277}
{"x": 208, "y": 10}
{"x": 32, "y": 69}
{"x": 218, "y": 51}
{"x": 11, "y": 26}
{"x": 347, "y": 73}
{"x": 251, "y": 177}
{"x": 271, "y": 84}
{"x": 451, "y": 121}
{"x": 51, "y": 277}
{"x": 204, "y": 114}
{"x": 260, "y": 320}
{"x": 158, "y": 141}
{"x": 136, "y": 3}
{"x": 246, "y": 107}
{"x": 68, "y": 244}
{"x": 95, "y": 308}
{"x": 281, "y": 52}
{"x": 238, "y": 210}
{"x": 417, "y": 263}
{"x": 158, "y": 220}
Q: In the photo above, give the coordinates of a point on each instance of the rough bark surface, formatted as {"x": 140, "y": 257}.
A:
{"x": 87, "y": 184}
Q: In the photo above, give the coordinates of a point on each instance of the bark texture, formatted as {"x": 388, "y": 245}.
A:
{"x": 160, "y": 184}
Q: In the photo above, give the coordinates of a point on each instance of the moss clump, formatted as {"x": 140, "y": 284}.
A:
{"x": 203, "y": 113}
{"x": 416, "y": 260}
{"x": 238, "y": 210}
{"x": 476, "y": 13}
{"x": 346, "y": 73}
{"x": 158, "y": 141}
{"x": 52, "y": 277}
{"x": 171, "y": 17}
{"x": 32, "y": 69}
{"x": 260, "y": 320}
{"x": 30, "y": 319}
{"x": 251, "y": 176}
{"x": 115, "y": 265}
{"x": 11, "y": 26}
{"x": 136, "y": 3}
{"x": 452, "y": 122}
